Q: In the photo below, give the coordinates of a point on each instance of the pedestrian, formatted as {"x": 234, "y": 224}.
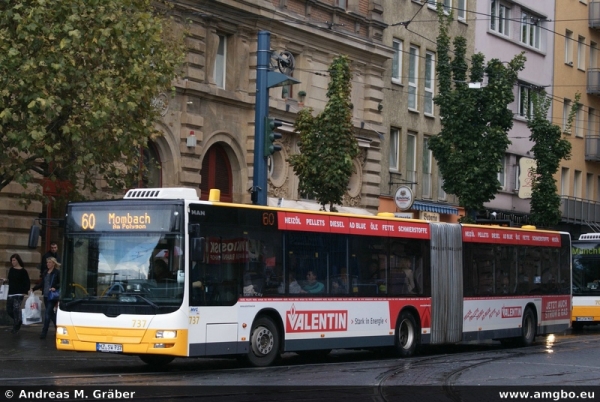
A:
{"x": 50, "y": 282}
{"x": 53, "y": 252}
{"x": 18, "y": 286}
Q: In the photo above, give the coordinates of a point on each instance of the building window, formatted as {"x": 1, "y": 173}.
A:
{"x": 442, "y": 196}
{"x": 530, "y": 30}
{"x": 427, "y": 157}
{"x": 429, "y": 82}
{"x": 499, "y": 17}
{"x": 593, "y": 55}
{"x": 589, "y": 186}
{"x": 564, "y": 182}
{"x": 397, "y": 62}
{"x": 579, "y": 122}
{"x": 342, "y": 4}
{"x": 592, "y": 122}
{"x": 150, "y": 166}
{"x": 394, "y": 149}
{"x": 220, "y": 62}
{"x": 525, "y": 100}
{"x": 411, "y": 158}
{"x": 581, "y": 53}
{"x": 569, "y": 47}
{"x": 517, "y": 176}
{"x": 566, "y": 111}
{"x": 413, "y": 72}
{"x": 461, "y": 12}
{"x": 577, "y": 184}
{"x": 447, "y": 4}
{"x": 502, "y": 173}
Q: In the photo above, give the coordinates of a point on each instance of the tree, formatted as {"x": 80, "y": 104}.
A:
{"x": 475, "y": 122}
{"x": 549, "y": 148}
{"x": 327, "y": 142}
{"x": 78, "y": 78}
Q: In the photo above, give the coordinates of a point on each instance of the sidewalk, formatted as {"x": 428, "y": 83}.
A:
{"x": 27, "y": 342}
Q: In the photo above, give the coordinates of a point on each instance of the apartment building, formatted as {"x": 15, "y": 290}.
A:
{"x": 409, "y": 113}
{"x": 576, "y": 71}
{"x": 504, "y": 29}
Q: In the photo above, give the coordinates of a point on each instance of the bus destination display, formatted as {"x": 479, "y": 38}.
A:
{"x": 121, "y": 220}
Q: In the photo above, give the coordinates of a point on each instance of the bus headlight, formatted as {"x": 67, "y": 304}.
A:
{"x": 61, "y": 331}
{"x": 166, "y": 334}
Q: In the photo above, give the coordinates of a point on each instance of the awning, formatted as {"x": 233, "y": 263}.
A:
{"x": 433, "y": 207}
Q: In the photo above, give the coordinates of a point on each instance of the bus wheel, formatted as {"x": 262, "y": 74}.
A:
{"x": 264, "y": 343}
{"x": 406, "y": 335}
{"x": 528, "y": 328}
{"x": 156, "y": 360}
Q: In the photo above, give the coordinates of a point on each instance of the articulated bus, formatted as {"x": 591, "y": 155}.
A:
{"x": 161, "y": 274}
{"x": 586, "y": 280}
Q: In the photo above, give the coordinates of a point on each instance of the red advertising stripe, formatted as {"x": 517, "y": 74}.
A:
{"x": 507, "y": 236}
{"x": 350, "y": 225}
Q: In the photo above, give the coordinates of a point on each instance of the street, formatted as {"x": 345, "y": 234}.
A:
{"x": 565, "y": 360}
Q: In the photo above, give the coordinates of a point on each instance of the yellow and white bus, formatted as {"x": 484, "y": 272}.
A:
{"x": 586, "y": 280}
{"x": 161, "y": 274}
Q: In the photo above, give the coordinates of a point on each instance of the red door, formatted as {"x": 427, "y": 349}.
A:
{"x": 216, "y": 174}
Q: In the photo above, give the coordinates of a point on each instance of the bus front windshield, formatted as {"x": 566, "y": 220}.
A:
{"x": 138, "y": 272}
{"x": 586, "y": 269}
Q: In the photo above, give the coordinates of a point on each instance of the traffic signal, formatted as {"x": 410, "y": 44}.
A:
{"x": 271, "y": 135}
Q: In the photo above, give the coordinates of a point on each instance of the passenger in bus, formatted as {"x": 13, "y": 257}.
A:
{"x": 294, "y": 286}
{"x": 402, "y": 277}
{"x": 312, "y": 285}
{"x": 338, "y": 287}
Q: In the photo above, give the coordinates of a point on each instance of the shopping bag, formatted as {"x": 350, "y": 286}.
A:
{"x": 3, "y": 292}
{"x": 32, "y": 313}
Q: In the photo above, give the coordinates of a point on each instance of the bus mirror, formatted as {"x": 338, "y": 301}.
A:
{"x": 34, "y": 236}
{"x": 197, "y": 248}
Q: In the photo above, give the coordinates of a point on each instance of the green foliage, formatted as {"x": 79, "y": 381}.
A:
{"x": 77, "y": 82}
{"x": 327, "y": 142}
{"x": 549, "y": 148}
{"x": 470, "y": 147}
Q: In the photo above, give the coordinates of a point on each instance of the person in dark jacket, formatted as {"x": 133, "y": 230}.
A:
{"x": 50, "y": 282}
{"x": 18, "y": 286}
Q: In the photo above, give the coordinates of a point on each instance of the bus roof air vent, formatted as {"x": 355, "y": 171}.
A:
{"x": 168, "y": 193}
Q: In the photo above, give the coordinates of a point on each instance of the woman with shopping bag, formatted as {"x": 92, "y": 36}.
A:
{"x": 18, "y": 286}
{"x": 49, "y": 284}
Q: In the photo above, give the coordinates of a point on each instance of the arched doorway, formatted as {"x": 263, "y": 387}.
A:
{"x": 216, "y": 174}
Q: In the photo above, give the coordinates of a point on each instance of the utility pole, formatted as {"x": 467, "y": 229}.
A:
{"x": 266, "y": 79}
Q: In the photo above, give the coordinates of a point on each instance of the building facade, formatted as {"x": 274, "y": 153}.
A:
{"x": 409, "y": 113}
{"x": 504, "y": 29}
{"x": 576, "y": 71}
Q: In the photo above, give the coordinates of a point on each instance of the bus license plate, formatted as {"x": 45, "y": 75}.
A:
{"x": 584, "y": 319}
{"x": 109, "y": 347}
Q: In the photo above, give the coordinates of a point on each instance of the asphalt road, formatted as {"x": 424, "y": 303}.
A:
{"x": 567, "y": 362}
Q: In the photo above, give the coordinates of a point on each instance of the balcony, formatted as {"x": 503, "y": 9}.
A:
{"x": 593, "y": 81}
{"x": 592, "y": 148}
{"x": 578, "y": 210}
{"x": 594, "y": 16}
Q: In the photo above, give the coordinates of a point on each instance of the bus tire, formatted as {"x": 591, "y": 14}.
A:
{"x": 264, "y": 343}
{"x": 407, "y": 335}
{"x": 156, "y": 361}
{"x": 528, "y": 328}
